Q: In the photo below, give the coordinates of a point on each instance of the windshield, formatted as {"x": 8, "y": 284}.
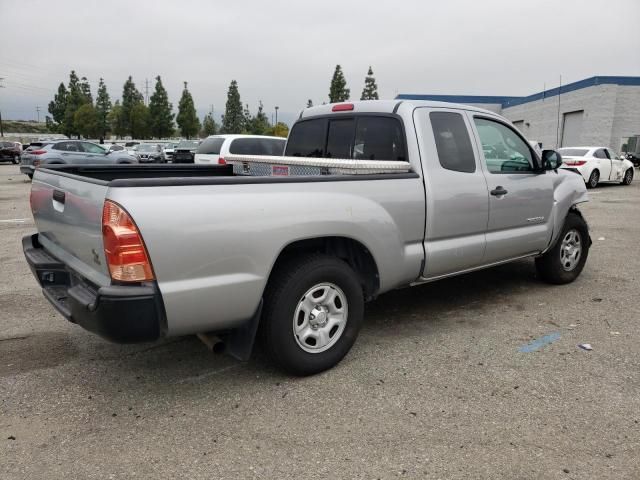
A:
{"x": 147, "y": 148}
{"x": 573, "y": 152}
{"x": 188, "y": 144}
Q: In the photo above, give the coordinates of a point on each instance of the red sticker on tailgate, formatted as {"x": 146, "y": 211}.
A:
{"x": 280, "y": 170}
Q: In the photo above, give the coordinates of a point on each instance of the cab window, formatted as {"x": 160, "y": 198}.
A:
{"x": 504, "y": 150}
{"x": 306, "y": 139}
{"x": 452, "y": 142}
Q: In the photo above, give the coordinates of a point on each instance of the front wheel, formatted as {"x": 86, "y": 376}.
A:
{"x": 565, "y": 260}
{"x": 594, "y": 178}
{"x": 628, "y": 177}
{"x": 312, "y": 315}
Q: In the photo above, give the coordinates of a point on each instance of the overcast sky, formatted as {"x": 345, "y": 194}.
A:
{"x": 284, "y": 52}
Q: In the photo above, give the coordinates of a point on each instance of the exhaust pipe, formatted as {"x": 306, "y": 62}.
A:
{"x": 212, "y": 342}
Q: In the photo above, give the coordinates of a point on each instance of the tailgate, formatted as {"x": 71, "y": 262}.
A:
{"x": 68, "y": 214}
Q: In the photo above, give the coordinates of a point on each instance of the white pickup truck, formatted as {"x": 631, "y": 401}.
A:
{"x": 369, "y": 197}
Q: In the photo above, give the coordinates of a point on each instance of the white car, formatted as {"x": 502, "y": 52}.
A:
{"x": 597, "y": 164}
{"x": 214, "y": 148}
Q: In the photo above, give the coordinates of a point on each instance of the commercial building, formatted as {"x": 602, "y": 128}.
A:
{"x": 594, "y": 111}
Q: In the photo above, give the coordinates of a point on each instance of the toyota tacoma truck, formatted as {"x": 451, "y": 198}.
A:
{"x": 369, "y": 197}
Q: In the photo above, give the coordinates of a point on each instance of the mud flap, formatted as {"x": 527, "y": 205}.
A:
{"x": 239, "y": 342}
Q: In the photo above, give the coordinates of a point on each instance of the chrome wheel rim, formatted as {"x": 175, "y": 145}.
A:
{"x": 628, "y": 176}
{"x": 320, "y": 318}
{"x": 595, "y": 176}
{"x": 570, "y": 250}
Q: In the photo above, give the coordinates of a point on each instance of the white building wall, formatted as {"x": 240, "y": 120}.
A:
{"x": 626, "y": 120}
{"x": 598, "y": 103}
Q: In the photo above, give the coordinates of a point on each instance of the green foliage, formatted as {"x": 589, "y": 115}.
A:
{"x": 233, "y": 119}
{"x": 58, "y": 106}
{"x": 187, "y": 119}
{"x": 116, "y": 120}
{"x": 130, "y": 98}
{"x": 370, "y": 90}
{"x": 86, "y": 121}
{"x": 278, "y": 130}
{"x": 259, "y": 124}
{"x": 21, "y": 126}
{"x": 309, "y": 103}
{"x": 140, "y": 121}
{"x": 161, "y": 117}
{"x": 338, "y": 91}
{"x": 209, "y": 126}
{"x": 103, "y": 108}
{"x": 85, "y": 89}
{"x": 75, "y": 99}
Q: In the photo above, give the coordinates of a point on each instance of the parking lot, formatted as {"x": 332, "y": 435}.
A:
{"x": 438, "y": 384}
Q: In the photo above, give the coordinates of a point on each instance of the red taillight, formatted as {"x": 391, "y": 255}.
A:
{"x": 222, "y": 161}
{"x": 342, "y": 107}
{"x": 123, "y": 246}
{"x": 38, "y": 152}
{"x": 575, "y": 163}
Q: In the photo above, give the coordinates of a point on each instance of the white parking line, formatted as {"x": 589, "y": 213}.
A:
{"x": 16, "y": 220}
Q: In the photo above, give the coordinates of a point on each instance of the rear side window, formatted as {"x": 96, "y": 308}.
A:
{"x": 306, "y": 139}
{"x": 67, "y": 146}
{"x": 379, "y": 138}
{"x": 257, "y": 146}
{"x": 600, "y": 154}
{"x": 210, "y": 146}
{"x": 452, "y": 142}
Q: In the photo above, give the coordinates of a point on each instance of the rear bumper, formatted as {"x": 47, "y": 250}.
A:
{"x": 122, "y": 314}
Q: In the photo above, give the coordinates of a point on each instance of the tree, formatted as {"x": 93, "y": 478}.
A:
{"x": 260, "y": 123}
{"x": 187, "y": 119}
{"x": 75, "y": 99}
{"x": 116, "y": 120}
{"x": 338, "y": 91}
{"x": 130, "y": 98}
{"x": 370, "y": 90}
{"x": 85, "y": 89}
{"x": 160, "y": 116}
{"x": 309, "y": 103}
{"x": 139, "y": 121}
{"x": 103, "y": 108}
{"x": 233, "y": 119}
{"x": 58, "y": 106}
{"x": 86, "y": 121}
{"x": 209, "y": 126}
{"x": 278, "y": 130}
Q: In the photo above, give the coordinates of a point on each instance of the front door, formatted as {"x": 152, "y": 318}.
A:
{"x": 457, "y": 207}
{"x": 520, "y": 198}
{"x": 617, "y": 166}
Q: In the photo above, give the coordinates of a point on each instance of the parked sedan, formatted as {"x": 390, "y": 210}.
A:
{"x": 185, "y": 151}
{"x": 10, "y": 152}
{"x": 597, "y": 164}
{"x": 150, "y": 153}
{"x": 71, "y": 152}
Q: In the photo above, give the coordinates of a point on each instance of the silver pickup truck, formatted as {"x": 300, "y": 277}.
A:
{"x": 369, "y": 197}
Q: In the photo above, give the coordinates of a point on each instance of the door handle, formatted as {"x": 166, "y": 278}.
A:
{"x": 498, "y": 191}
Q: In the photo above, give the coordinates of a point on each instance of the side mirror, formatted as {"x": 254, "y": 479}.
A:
{"x": 551, "y": 160}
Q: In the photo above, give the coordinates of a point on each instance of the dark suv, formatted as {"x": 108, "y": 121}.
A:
{"x": 185, "y": 151}
{"x": 10, "y": 152}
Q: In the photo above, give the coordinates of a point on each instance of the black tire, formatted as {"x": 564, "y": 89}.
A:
{"x": 30, "y": 175}
{"x": 287, "y": 287}
{"x": 550, "y": 266}
{"x": 628, "y": 177}
{"x": 594, "y": 178}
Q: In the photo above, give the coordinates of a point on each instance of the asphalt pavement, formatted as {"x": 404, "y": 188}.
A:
{"x": 475, "y": 377}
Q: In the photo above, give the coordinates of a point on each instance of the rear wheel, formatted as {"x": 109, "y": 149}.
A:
{"x": 594, "y": 178}
{"x": 628, "y": 177}
{"x": 312, "y": 315}
{"x": 565, "y": 260}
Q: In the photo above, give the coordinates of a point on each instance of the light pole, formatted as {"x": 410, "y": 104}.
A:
{"x": 277, "y": 107}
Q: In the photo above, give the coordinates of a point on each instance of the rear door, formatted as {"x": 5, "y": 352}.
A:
{"x": 603, "y": 163}
{"x": 70, "y": 152}
{"x": 457, "y": 205}
{"x": 520, "y": 198}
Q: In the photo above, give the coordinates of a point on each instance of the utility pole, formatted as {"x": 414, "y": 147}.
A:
{"x": 277, "y": 107}
{"x": 38, "y": 113}
{"x": 1, "y": 130}
{"x": 146, "y": 91}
